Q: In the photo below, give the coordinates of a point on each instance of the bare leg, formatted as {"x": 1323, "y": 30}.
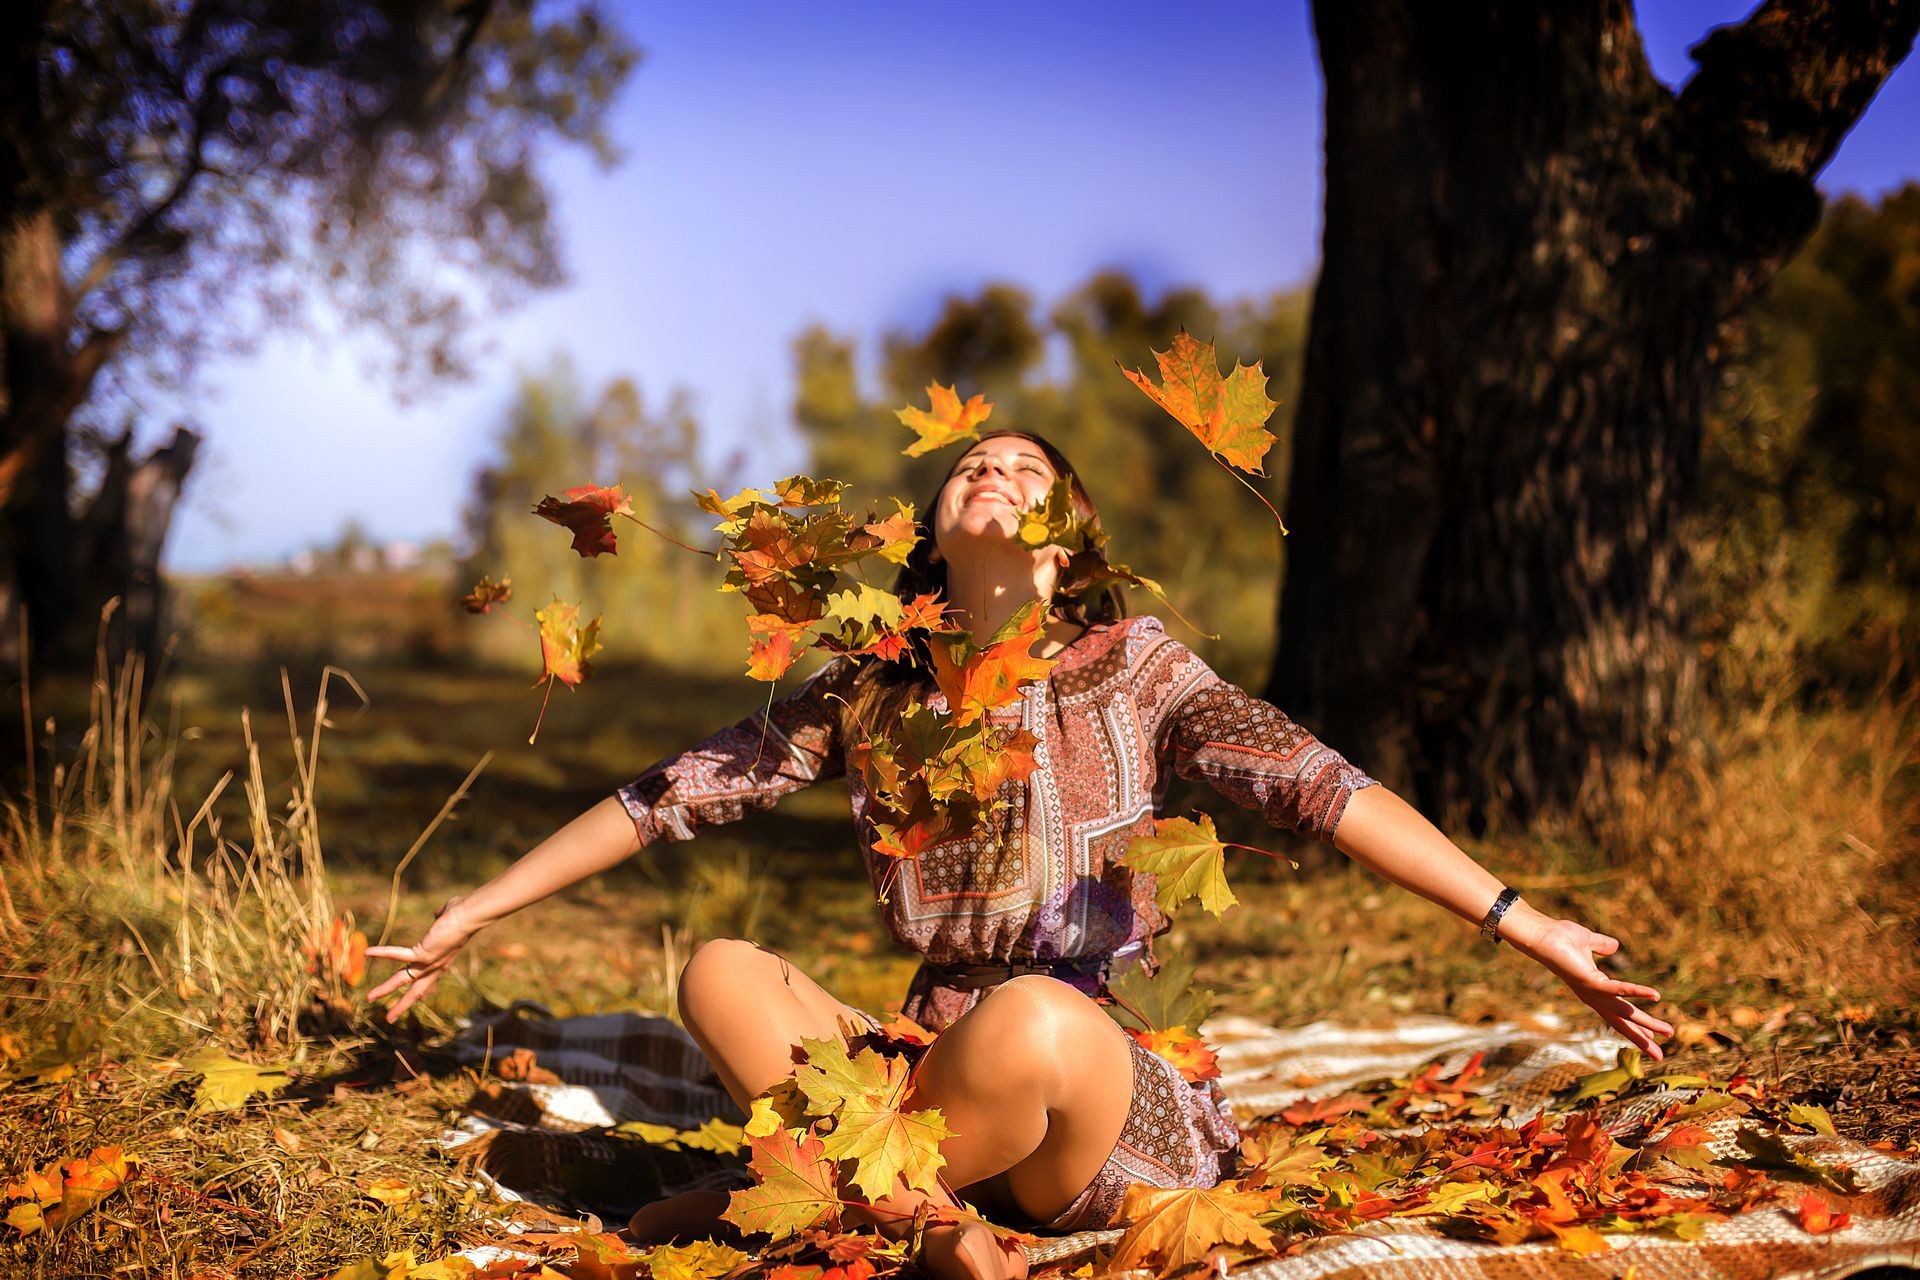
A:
{"x": 1035, "y": 1083}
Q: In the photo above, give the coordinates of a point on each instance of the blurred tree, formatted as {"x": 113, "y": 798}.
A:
{"x": 1532, "y": 247}
{"x": 179, "y": 176}
{"x": 655, "y": 598}
{"x": 1811, "y": 563}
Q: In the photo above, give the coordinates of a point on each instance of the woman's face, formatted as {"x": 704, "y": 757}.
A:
{"x": 986, "y": 492}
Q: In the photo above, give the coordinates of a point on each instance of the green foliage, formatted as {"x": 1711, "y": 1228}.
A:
{"x": 1811, "y": 554}
{"x": 1171, "y": 511}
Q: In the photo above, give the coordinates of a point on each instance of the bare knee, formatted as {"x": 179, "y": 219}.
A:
{"x": 719, "y": 969}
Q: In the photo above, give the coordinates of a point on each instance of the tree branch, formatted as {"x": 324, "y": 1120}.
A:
{"x": 146, "y": 228}
{"x": 1770, "y": 103}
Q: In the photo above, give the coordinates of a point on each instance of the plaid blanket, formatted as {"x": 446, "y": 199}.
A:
{"x": 546, "y": 1138}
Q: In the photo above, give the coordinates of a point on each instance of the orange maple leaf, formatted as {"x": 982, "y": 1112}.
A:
{"x": 587, "y": 512}
{"x": 991, "y": 678}
{"x": 1178, "y": 1228}
{"x": 334, "y": 950}
{"x": 927, "y": 611}
{"x": 1195, "y": 1058}
{"x": 1227, "y": 414}
{"x": 797, "y": 1186}
{"x": 770, "y": 656}
{"x": 950, "y": 421}
{"x": 1817, "y": 1216}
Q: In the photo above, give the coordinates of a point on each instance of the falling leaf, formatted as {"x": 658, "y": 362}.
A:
{"x": 587, "y": 513}
{"x": 337, "y": 952}
{"x": 1052, "y": 522}
{"x": 226, "y": 1083}
{"x": 1195, "y": 1058}
{"x": 949, "y": 422}
{"x": 487, "y": 593}
{"x": 796, "y": 1186}
{"x": 1227, "y": 415}
{"x": 566, "y": 646}
{"x": 769, "y": 657}
{"x": 1188, "y": 860}
{"x": 1177, "y": 1228}
{"x": 992, "y": 678}
{"x": 896, "y": 536}
{"x": 1817, "y": 1216}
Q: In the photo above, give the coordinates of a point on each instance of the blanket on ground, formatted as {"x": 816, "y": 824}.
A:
{"x": 546, "y": 1135}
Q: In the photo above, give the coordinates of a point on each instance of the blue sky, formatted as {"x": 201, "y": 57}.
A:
{"x": 851, "y": 164}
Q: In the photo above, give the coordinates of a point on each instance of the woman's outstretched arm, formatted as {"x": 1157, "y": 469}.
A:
{"x": 789, "y": 745}
{"x": 1387, "y": 835}
{"x": 596, "y": 841}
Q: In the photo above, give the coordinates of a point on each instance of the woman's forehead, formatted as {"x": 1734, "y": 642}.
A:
{"x": 1009, "y": 446}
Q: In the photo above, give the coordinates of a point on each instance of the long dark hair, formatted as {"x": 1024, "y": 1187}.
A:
{"x": 1086, "y": 595}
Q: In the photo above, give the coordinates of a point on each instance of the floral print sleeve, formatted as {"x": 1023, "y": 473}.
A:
{"x": 1246, "y": 749}
{"x": 749, "y": 765}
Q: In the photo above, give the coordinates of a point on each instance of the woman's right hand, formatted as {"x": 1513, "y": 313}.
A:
{"x": 423, "y": 963}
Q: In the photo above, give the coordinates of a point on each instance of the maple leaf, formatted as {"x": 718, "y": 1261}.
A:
{"x": 780, "y": 1106}
{"x": 565, "y": 645}
{"x": 1227, "y": 415}
{"x": 1817, "y": 1217}
{"x": 1051, "y": 521}
{"x": 1195, "y": 1058}
{"x": 897, "y": 535}
{"x": 991, "y": 679}
{"x": 336, "y": 952}
{"x": 769, "y": 657}
{"x": 587, "y": 512}
{"x": 797, "y": 1186}
{"x": 924, "y": 611}
{"x": 949, "y": 422}
{"x": 1171, "y": 997}
{"x": 701, "y": 1260}
{"x": 1178, "y": 1228}
{"x": 1685, "y": 1145}
{"x": 226, "y": 1083}
{"x": 1770, "y": 1151}
{"x": 1188, "y": 860}
{"x": 865, "y": 1096}
{"x": 715, "y": 1135}
{"x": 487, "y": 593}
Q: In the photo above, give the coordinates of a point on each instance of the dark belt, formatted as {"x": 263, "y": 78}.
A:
{"x": 978, "y": 977}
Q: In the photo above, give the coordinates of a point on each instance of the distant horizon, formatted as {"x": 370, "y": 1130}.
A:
{"x": 807, "y": 175}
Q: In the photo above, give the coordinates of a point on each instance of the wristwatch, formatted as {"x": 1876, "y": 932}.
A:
{"x": 1490, "y": 927}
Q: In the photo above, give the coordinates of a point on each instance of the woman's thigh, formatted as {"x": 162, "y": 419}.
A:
{"x": 749, "y": 1008}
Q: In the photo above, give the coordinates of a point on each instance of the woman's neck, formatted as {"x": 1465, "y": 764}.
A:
{"x": 986, "y": 590}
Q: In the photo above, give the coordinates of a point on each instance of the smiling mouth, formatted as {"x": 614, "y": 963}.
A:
{"x": 989, "y": 493}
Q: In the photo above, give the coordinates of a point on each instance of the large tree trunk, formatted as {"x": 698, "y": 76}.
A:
{"x": 1531, "y": 247}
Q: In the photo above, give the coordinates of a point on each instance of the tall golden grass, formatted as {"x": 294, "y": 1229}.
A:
{"x": 125, "y": 905}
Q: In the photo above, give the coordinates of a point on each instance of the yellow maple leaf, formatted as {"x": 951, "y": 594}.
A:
{"x": 1188, "y": 860}
{"x": 949, "y": 421}
{"x": 1174, "y": 1229}
{"x": 226, "y": 1083}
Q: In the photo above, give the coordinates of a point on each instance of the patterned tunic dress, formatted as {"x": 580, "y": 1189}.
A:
{"x": 1125, "y": 708}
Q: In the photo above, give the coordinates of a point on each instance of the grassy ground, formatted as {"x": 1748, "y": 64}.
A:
{"x": 1768, "y": 894}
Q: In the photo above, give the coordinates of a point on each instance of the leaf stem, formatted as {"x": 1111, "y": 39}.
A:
{"x": 664, "y": 534}
{"x": 1250, "y": 489}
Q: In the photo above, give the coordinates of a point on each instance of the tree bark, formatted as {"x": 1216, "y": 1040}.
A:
{"x": 1531, "y": 249}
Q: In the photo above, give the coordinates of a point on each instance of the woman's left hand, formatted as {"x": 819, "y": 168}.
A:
{"x": 1567, "y": 948}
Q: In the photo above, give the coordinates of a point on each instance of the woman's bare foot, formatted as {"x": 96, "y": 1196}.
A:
{"x": 970, "y": 1251}
{"x": 691, "y": 1215}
